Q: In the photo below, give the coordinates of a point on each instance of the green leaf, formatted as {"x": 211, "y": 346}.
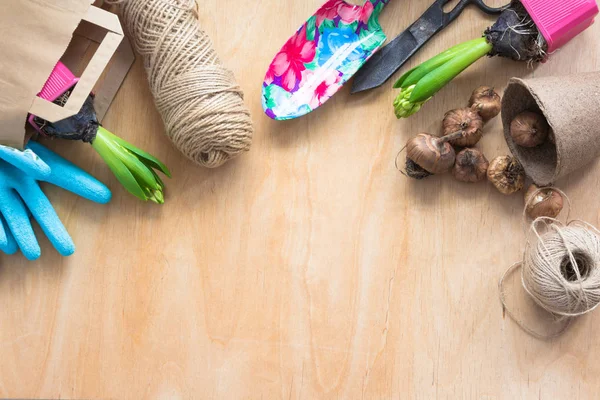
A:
{"x": 314, "y": 64}
{"x": 327, "y": 24}
{"x": 311, "y": 26}
{"x": 353, "y": 26}
{"x": 437, "y": 61}
{"x": 268, "y": 96}
{"x": 400, "y": 81}
{"x": 119, "y": 169}
{"x": 274, "y": 94}
{"x": 160, "y": 182}
{"x": 377, "y": 11}
{"x": 374, "y": 19}
{"x": 431, "y": 83}
{"x": 153, "y": 161}
{"x": 139, "y": 170}
{"x": 371, "y": 40}
{"x": 374, "y": 36}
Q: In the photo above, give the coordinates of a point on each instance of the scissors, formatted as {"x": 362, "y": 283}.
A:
{"x": 390, "y": 58}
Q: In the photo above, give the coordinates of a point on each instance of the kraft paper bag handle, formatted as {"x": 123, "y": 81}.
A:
{"x": 53, "y": 112}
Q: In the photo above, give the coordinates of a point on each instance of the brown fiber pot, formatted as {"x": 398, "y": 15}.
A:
{"x": 571, "y": 105}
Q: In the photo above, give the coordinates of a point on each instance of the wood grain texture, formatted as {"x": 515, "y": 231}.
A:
{"x": 306, "y": 269}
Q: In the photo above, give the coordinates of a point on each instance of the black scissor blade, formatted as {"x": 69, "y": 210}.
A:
{"x": 386, "y": 62}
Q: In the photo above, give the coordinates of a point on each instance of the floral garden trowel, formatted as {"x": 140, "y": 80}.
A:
{"x": 323, "y": 54}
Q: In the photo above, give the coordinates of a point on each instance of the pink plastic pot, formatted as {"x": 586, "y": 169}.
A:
{"x": 61, "y": 80}
{"x": 561, "y": 20}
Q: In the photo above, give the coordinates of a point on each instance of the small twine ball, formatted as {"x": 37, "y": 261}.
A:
{"x": 561, "y": 268}
{"x": 199, "y": 100}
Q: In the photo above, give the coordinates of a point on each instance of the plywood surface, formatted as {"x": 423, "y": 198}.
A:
{"x": 308, "y": 268}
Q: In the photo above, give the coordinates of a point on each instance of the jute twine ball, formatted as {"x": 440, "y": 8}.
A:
{"x": 561, "y": 269}
{"x": 199, "y": 100}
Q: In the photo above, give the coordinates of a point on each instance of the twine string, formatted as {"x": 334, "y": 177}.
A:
{"x": 560, "y": 270}
{"x": 508, "y": 310}
{"x": 199, "y": 100}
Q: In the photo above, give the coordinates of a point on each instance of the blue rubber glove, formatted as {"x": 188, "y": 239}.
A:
{"x": 20, "y": 192}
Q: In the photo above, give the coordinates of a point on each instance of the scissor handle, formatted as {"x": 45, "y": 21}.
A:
{"x": 460, "y": 7}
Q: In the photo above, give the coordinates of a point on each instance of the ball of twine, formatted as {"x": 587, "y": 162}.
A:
{"x": 199, "y": 100}
{"x": 560, "y": 269}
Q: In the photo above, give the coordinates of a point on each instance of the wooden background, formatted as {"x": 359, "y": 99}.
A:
{"x": 308, "y": 268}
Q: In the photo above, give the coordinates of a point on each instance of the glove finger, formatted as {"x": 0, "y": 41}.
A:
{"x": 26, "y": 160}
{"x": 15, "y": 214}
{"x": 70, "y": 177}
{"x": 9, "y": 246}
{"x": 3, "y": 235}
{"x": 43, "y": 212}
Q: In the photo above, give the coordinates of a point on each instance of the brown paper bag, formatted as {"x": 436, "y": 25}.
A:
{"x": 36, "y": 34}
{"x": 86, "y": 37}
{"x": 571, "y": 105}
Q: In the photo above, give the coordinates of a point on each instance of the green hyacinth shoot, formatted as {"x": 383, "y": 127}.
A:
{"x": 133, "y": 167}
{"x": 420, "y": 84}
